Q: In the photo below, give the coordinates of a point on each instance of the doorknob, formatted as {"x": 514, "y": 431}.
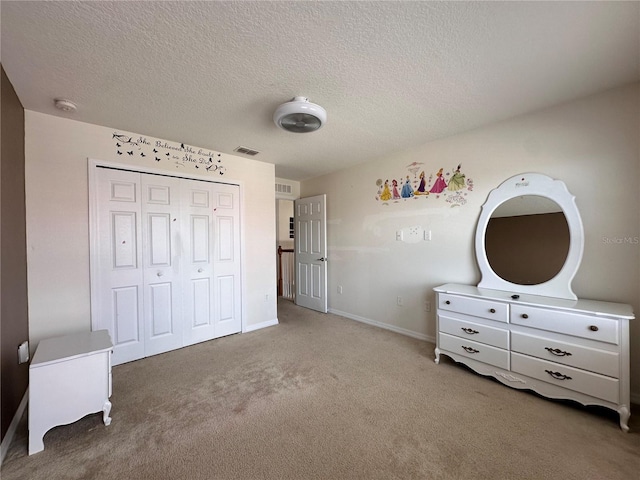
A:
{"x": 200, "y": 270}
{"x": 321, "y": 259}
{"x": 159, "y": 274}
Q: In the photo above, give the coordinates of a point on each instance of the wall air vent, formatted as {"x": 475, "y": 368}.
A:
{"x": 247, "y": 151}
{"x": 283, "y": 188}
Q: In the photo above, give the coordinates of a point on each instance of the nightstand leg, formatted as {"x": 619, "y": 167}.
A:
{"x": 624, "y": 413}
{"x": 105, "y": 413}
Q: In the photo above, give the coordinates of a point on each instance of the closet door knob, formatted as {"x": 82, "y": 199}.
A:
{"x": 159, "y": 274}
{"x": 200, "y": 270}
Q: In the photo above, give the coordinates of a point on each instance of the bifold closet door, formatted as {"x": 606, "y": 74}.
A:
{"x": 165, "y": 261}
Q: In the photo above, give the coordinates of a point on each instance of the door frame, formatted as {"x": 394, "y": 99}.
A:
{"x": 93, "y": 164}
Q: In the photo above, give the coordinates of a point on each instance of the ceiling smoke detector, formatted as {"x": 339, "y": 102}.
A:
{"x": 65, "y": 105}
{"x": 300, "y": 116}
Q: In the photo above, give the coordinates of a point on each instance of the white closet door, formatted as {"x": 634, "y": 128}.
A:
{"x": 117, "y": 262}
{"x": 198, "y": 279}
{"x": 227, "y": 266}
{"x": 165, "y": 259}
{"x": 161, "y": 253}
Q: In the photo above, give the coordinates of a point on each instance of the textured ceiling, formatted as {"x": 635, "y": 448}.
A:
{"x": 391, "y": 75}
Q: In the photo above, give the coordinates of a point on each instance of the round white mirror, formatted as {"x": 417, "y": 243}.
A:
{"x": 530, "y": 237}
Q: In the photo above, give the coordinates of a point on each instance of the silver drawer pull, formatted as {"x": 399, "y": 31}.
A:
{"x": 558, "y": 375}
{"x": 557, "y": 352}
{"x": 470, "y": 331}
{"x": 470, "y": 350}
{"x": 593, "y": 328}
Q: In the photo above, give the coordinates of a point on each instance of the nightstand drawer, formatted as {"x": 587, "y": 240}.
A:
{"x": 585, "y": 326}
{"x": 473, "y": 306}
{"x": 586, "y": 358}
{"x": 478, "y": 351}
{"x": 588, "y": 383}
{"x": 498, "y": 337}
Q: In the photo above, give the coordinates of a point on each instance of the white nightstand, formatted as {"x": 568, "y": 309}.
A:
{"x": 69, "y": 378}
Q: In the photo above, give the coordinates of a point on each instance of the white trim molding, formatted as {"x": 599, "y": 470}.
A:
{"x": 386, "y": 326}
{"x": 259, "y": 326}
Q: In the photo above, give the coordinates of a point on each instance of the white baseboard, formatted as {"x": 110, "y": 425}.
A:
{"x": 8, "y": 438}
{"x": 258, "y": 326}
{"x": 386, "y": 326}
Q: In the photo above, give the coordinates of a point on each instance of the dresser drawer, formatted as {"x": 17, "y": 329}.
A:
{"x": 592, "y": 359}
{"x": 592, "y": 384}
{"x": 478, "y": 351}
{"x": 498, "y": 337}
{"x": 474, "y": 306}
{"x": 585, "y": 326}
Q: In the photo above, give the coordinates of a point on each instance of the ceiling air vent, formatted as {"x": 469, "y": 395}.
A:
{"x": 283, "y": 188}
{"x": 247, "y": 151}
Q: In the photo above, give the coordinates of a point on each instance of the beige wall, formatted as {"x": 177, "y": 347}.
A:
{"x": 57, "y": 214}
{"x": 591, "y": 144}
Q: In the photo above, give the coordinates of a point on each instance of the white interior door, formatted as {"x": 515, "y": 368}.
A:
{"x": 161, "y": 267}
{"x": 117, "y": 274}
{"x": 311, "y": 252}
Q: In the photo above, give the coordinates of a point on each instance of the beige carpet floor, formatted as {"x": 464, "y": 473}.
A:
{"x": 324, "y": 397}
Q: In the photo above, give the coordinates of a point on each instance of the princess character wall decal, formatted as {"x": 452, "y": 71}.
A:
{"x": 439, "y": 184}
{"x": 394, "y": 191}
{"x": 386, "y": 193}
{"x": 407, "y": 189}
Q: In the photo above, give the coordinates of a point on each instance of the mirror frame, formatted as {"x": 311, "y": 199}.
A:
{"x": 543, "y": 186}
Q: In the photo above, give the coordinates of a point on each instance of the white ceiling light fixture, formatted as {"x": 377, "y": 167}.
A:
{"x": 300, "y": 116}
{"x": 65, "y": 105}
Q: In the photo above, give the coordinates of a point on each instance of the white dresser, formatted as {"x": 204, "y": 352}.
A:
{"x": 559, "y": 348}
{"x": 69, "y": 378}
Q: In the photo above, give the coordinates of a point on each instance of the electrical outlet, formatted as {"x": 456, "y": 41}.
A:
{"x": 427, "y": 235}
{"x": 399, "y": 301}
{"x": 23, "y": 352}
{"x": 266, "y": 297}
{"x": 340, "y": 289}
{"x": 427, "y": 306}
{"x": 399, "y": 236}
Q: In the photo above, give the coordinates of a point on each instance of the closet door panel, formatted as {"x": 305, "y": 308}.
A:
{"x": 116, "y": 262}
{"x": 124, "y": 321}
{"x": 227, "y": 266}
{"x": 161, "y": 253}
{"x": 197, "y": 212}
